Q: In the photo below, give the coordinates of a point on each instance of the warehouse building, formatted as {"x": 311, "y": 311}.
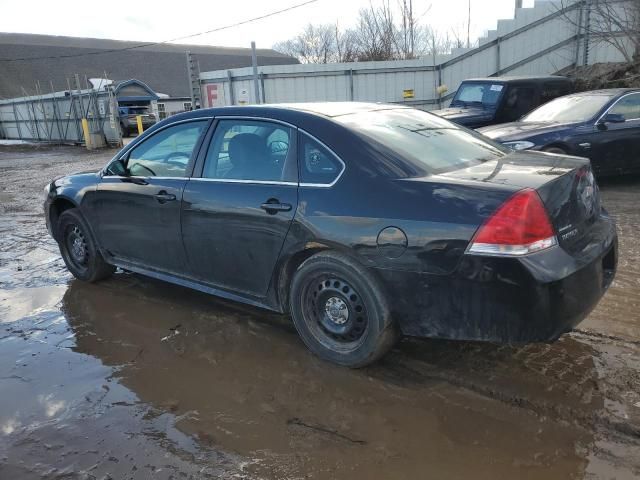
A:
{"x": 57, "y": 60}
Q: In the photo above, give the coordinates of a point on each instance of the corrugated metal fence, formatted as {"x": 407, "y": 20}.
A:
{"x": 57, "y": 117}
{"x": 539, "y": 41}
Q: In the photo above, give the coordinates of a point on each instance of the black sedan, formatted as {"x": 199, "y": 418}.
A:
{"x": 602, "y": 125}
{"x": 363, "y": 221}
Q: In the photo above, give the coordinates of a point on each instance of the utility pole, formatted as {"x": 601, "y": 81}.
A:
{"x": 469, "y": 25}
{"x": 194, "y": 82}
{"x": 587, "y": 30}
{"x": 254, "y": 63}
{"x": 413, "y": 27}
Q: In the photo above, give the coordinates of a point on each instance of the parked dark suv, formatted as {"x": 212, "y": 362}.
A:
{"x": 481, "y": 102}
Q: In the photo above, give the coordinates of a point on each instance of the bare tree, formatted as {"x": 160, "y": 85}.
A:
{"x": 614, "y": 22}
{"x": 346, "y": 45}
{"x": 316, "y": 44}
{"x": 377, "y": 35}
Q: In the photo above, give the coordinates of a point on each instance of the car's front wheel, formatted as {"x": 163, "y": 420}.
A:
{"x": 341, "y": 311}
{"x": 557, "y": 150}
{"x": 78, "y": 248}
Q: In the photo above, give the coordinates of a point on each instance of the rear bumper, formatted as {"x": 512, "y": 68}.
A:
{"x": 507, "y": 300}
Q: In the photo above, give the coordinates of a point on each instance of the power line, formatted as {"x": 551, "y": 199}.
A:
{"x": 150, "y": 44}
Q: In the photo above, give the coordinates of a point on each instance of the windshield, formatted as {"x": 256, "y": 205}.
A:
{"x": 569, "y": 109}
{"x": 478, "y": 93}
{"x": 432, "y": 145}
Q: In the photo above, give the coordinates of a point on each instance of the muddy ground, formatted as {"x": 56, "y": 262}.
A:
{"x": 132, "y": 378}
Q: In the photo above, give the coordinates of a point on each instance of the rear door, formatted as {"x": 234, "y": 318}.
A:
{"x": 138, "y": 209}
{"x": 616, "y": 146}
{"x": 236, "y": 215}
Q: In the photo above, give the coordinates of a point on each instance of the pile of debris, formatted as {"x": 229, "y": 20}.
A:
{"x": 605, "y": 75}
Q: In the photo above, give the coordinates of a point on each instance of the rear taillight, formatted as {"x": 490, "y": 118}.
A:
{"x": 520, "y": 226}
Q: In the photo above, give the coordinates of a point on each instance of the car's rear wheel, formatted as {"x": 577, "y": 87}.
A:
{"x": 341, "y": 311}
{"x": 557, "y": 150}
{"x": 78, "y": 248}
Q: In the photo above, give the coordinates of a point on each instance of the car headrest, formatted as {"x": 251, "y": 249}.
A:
{"x": 245, "y": 146}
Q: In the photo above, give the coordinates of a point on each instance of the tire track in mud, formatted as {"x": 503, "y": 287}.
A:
{"x": 404, "y": 368}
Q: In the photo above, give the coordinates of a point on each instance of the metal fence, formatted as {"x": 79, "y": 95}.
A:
{"x": 539, "y": 41}
{"x": 57, "y": 117}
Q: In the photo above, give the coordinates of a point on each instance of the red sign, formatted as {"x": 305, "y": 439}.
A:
{"x": 212, "y": 94}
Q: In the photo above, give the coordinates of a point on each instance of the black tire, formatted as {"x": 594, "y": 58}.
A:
{"x": 78, "y": 248}
{"x": 557, "y": 150}
{"x": 340, "y": 310}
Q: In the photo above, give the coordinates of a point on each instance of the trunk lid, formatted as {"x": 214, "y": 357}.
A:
{"x": 573, "y": 204}
{"x": 565, "y": 184}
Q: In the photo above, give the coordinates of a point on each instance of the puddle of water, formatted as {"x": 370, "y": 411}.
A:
{"x": 21, "y": 302}
{"x": 232, "y": 389}
{"x": 241, "y": 381}
{"x": 5, "y": 197}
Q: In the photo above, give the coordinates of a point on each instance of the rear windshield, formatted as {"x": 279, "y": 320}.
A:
{"x": 432, "y": 145}
{"x": 569, "y": 109}
{"x": 134, "y": 110}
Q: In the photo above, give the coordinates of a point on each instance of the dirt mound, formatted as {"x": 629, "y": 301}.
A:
{"x": 605, "y": 75}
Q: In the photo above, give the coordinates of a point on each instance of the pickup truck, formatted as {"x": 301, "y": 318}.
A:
{"x": 480, "y": 102}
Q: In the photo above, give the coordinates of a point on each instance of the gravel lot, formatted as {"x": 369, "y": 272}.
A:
{"x": 132, "y": 378}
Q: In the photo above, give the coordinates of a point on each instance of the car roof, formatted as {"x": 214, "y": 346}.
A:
{"x": 607, "y": 91}
{"x": 318, "y": 109}
{"x": 520, "y": 78}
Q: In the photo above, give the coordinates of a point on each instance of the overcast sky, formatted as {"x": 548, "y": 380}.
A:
{"x": 159, "y": 20}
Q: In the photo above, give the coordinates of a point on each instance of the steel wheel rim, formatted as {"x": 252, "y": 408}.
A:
{"x": 77, "y": 248}
{"x": 335, "y": 311}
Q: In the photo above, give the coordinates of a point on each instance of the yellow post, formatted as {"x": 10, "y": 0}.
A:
{"x": 85, "y": 131}
{"x": 139, "y": 120}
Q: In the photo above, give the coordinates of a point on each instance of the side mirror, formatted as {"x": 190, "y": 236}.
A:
{"x": 613, "y": 118}
{"x": 118, "y": 167}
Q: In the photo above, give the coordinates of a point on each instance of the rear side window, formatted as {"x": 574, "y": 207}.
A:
{"x": 251, "y": 150}
{"x": 318, "y": 165}
{"x": 430, "y": 143}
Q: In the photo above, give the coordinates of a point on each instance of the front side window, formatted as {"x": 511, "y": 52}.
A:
{"x": 519, "y": 100}
{"x": 628, "y": 107}
{"x": 317, "y": 164}
{"x": 430, "y": 143}
{"x": 167, "y": 153}
{"x": 551, "y": 90}
{"x": 251, "y": 150}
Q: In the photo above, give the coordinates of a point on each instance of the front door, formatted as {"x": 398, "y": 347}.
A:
{"x": 137, "y": 203}
{"x": 616, "y": 146}
{"x": 235, "y": 218}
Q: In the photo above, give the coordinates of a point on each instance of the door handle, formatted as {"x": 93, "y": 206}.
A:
{"x": 273, "y": 206}
{"x": 163, "y": 197}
